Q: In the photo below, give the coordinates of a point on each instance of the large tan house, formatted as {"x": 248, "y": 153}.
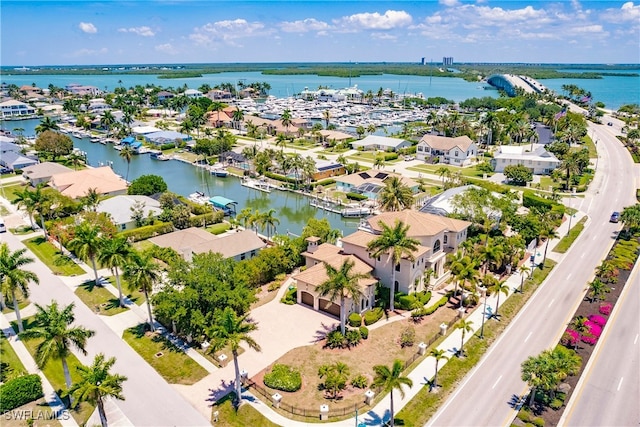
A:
{"x": 77, "y": 184}
{"x": 436, "y": 234}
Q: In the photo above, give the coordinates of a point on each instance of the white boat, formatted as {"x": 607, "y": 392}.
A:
{"x": 260, "y": 185}
{"x": 219, "y": 172}
{"x": 356, "y": 212}
{"x": 198, "y": 197}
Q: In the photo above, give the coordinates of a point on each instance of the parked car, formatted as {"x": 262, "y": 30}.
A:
{"x": 615, "y": 217}
{"x": 609, "y": 124}
{"x": 3, "y": 228}
{"x": 4, "y": 170}
{"x": 409, "y": 158}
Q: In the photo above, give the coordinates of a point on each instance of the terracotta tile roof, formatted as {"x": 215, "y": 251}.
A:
{"x": 362, "y": 238}
{"x": 420, "y": 223}
{"x": 445, "y": 143}
{"x": 324, "y": 252}
{"x": 317, "y": 274}
{"x": 183, "y": 239}
{"x": 77, "y": 183}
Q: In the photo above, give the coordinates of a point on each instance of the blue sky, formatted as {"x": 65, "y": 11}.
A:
{"x": 184, "y": 31}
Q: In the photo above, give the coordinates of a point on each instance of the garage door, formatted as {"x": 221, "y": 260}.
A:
{"x": 329, "y": 307}
{"x": 307, "y": 298}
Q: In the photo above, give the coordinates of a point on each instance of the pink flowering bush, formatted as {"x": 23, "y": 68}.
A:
{"x": 605, "y": 308}
{"x": 589, "y": 340}
{"x": 594, "y": 329}
{"x": 598, "y": 320}
{"x": 570, "y": 338}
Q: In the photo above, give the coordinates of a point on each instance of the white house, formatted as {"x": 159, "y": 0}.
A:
{"x": 458, "y": 151}
{"x": 540, "y": 161}
{"x": 193, "y": 93}
{"x": 383, "y": 143}
{"x": 12, "y": 109}
{"x": 121, "y": 209}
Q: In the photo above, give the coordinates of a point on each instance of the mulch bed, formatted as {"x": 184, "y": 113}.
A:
{"x": 586, "y": 308}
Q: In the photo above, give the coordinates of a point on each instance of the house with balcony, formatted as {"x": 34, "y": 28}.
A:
{"x": 458, "y": 151}
{"x": 370, "y": 183}
{"x": 436, "y": 235}
{"x": 382, "y": 143}
{"x": 539, "y": 160}
{"x": 12, "y": 109}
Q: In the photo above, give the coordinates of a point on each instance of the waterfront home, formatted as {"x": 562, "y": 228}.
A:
{"x": 7, "y": 145}
{"x": 164, "y": 95}
{"x": 193, "y": 94}
{"x": 333, "y": 137}
{"x": 166, "y": 137}
{"x": 442, "y": 204}
{"x": 81, "y": 90}
{"x": 238, "y": 245}
{"x": 458, "y": 151}
{"x": 539, "y": 161}
{"x": 121, "y": 209}
{"x": 144, "y": 130}
{"x": 12, "y": 109}
{"x": 382, "y": 143}
{"x": 370, "y": 183}
{"x": 316, "y": 273}
{"x": 327, "y": 169}
{"x": 42, "y": 172}
{"x": 77, "y": 184}
{"x": 16, "y": 161}
{"x": 215, "y": 94}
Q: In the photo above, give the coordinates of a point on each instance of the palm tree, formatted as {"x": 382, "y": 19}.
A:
{"x": 438, "y": 355}
{"x": 91, "y": 199}
{"x": 524, "y": 271}
{"x": 395, "y": 242}
{"x": 396, "y": 195}
{"x": 630, "y": 217}
{"x": 107, "y": 121}
{"x": 597, "y": 290}
{"x": 464, "y": 326}
{"x": 326, "y": 116}
{"x": 127, "y": 153}
{"x": 579, "y": 324}
{"x": 47, "y": 123}
{"x": 499, "y": 286}
{"x": 286, "y": 119}
{"x": 548, "y": 233}
{"x": 388, "y": 380}
{"x": 342, "y": 283}
{"x": 96, "y": 383}
{"x": 33, "y": 201}
{"x": 270, "y": 222}
{"x": 86, "y": 244}
{"x": 141, "y": 272}
{"x": 14, "y": 277}
{"x": 444, "y": 172}
{"x": 535, "y": 372}
{"x": 115, "y": 253}
{"x": 228, "y": 331}
{"x": 53, "y": 327}
{"x": 463, "y": 269}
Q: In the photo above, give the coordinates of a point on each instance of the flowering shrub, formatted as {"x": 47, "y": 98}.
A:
{"x": 605, "y": 308}
{"x": 598, "y": 320}
{"x": 595, "y": 330}
{"x": 589, "y": 340}
{"x": 570, "y": 338}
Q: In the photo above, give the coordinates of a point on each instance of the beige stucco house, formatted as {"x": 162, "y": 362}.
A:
{"x": 459, "y": 151}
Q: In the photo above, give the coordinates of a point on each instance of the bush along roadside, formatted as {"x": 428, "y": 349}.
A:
{"x": 547, "y": 401}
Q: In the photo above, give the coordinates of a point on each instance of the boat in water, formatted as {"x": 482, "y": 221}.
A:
{"x": 260, "y": 185}
{"x": 159, "y": 156}
{"x": 198, "y": 197}
{"x": 219, "y": 172}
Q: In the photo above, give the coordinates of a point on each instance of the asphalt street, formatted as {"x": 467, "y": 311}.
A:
{"x": 489, "y": 394}
{"x": 150, "y": 400}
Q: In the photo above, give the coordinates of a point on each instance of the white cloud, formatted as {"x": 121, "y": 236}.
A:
{"x": 166, "y": 48}
{"x": 227, "y": 32}
{"x": 375, "y": 21}
{"x": 303, "y": 26}
{"x": 143, "y": 31}
{"x": 89, "y": 52}
{"x": 449, "y": 3}
{"x": 87, "y": 27}
{"x": 628, "y": 12}
{"x": 383, "y": 36}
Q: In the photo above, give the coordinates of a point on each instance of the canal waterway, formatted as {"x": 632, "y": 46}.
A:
{"x": 293, "y": 210}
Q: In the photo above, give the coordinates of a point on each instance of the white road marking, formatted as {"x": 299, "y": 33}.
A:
{"x": 525, "y": 340}
{"x": 583, "y": 254}
{"x": 497, "y": 381}
{"x": 551, "y": 302}
{"x": 620, "y": 383}
{"x": 569, "y": 276}
{"x": 635, "y": 340}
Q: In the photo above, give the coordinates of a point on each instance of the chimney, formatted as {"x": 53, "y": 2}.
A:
{"x": 312, "y": 244}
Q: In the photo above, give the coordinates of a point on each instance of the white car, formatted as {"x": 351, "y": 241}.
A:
{"x": 409, "y": 158}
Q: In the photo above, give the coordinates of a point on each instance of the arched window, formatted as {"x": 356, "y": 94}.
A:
{"x": 444, "y": 239}
{"x": 436, "y": 246}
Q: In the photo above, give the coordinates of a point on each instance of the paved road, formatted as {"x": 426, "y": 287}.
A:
{"x": 486, "y": 395}
{"x": 612, "y": 380}
{"x": 150, "y": 401}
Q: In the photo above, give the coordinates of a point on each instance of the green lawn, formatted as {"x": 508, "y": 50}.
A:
{"x": 100, "y": 300}
{"x": 425, "y": 404}
{"x": 9, "y": 191}
{"x": 142, "y": 245}
{"x": 469, "y": 171}
{"x": 245, "y": 416}
{"x": 48, "y": 254}
{"x": 53, "y": 371}
{"x": 170, "y": 362}
{"x": 22, "y": 230}
{"x": 219, "y": 228}
{"x": 22, "y": 302}
{"x": 370, "y": 156}
{"x": 10, "y": 358}
{"x": 565, "y": 243}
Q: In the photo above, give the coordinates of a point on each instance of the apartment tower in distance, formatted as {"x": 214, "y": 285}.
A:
{"x": 447, "y": 61}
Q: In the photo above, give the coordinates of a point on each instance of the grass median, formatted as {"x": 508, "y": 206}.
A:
{"x": 228, "y": 416}
{"x": 48, "y": 254}
{"x": 175, "y": 366}
{"x": 565, "y": 243}
{"x": 422, "y": 407}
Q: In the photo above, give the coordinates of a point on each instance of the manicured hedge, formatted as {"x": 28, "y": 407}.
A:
{"x": 373, "y": 315}
{"x": 355, "y": 320}
{"x": 209, "y": 218}
{"x": 148, "y": 231}
{"x": 325, "y": 182}
{"x": 530, "y": 199}
{"x": 356, "y": 196}
{"x": 284, "y": 378}
{"x": 167, "y": 146}
{"x": 279, "y": 177}
{"x": 364, "y": 332}
{"x": 409, "y": 302}
{"x": 20, "y": 391}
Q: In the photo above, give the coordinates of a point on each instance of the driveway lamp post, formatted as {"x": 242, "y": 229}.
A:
{"x": 569, "y": 229}
{"x": 483, "y": 293}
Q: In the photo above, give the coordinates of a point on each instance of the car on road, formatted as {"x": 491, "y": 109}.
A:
{"x": 3, "y": 228}
{"x": 615, "y": 217}
{"x": 609, "y": 124}
{"x": 409, "y": 158}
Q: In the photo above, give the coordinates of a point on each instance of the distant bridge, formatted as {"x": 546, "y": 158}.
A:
{"x": 509, "y": 83}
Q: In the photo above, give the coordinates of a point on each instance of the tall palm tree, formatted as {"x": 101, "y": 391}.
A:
{"x": 141, "y": 272}
{"x": 464, "y": 326}
{"x": 107, "y": 121}
{"x": 14, "y": 277}
{"x": 444, "y": 172}
{"x": 524, "y": 271}
{"x": 535, "y": 371}
{"x": 270, "y": 222}
{"x": 115, "y": 253}
{"x": 127, "y": 153}
{"x": 463, "y": 270}
{"x": 395, "y": 242}
{"x": 597, "y": 290}
{"x": 548, "y": 233}
{"x": 396, "y": 195}
{"x": 96, "y": 383}
{"x": 499, "y": 286}
{"x": 91, "y": 199}
{"x": 47, "y": 123}
{"x": 326, "y": 116}
{"x": 286, "y": 119}
{"x": 53, "y": 327}
{"x": 86, "y": 244}
{"x": 389, "y": 379}
{"x": 341, "y": 283}
{"x": 229, "y": 330}
{"x": 32, "y": 202}
{"x": 438, "y": 355}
